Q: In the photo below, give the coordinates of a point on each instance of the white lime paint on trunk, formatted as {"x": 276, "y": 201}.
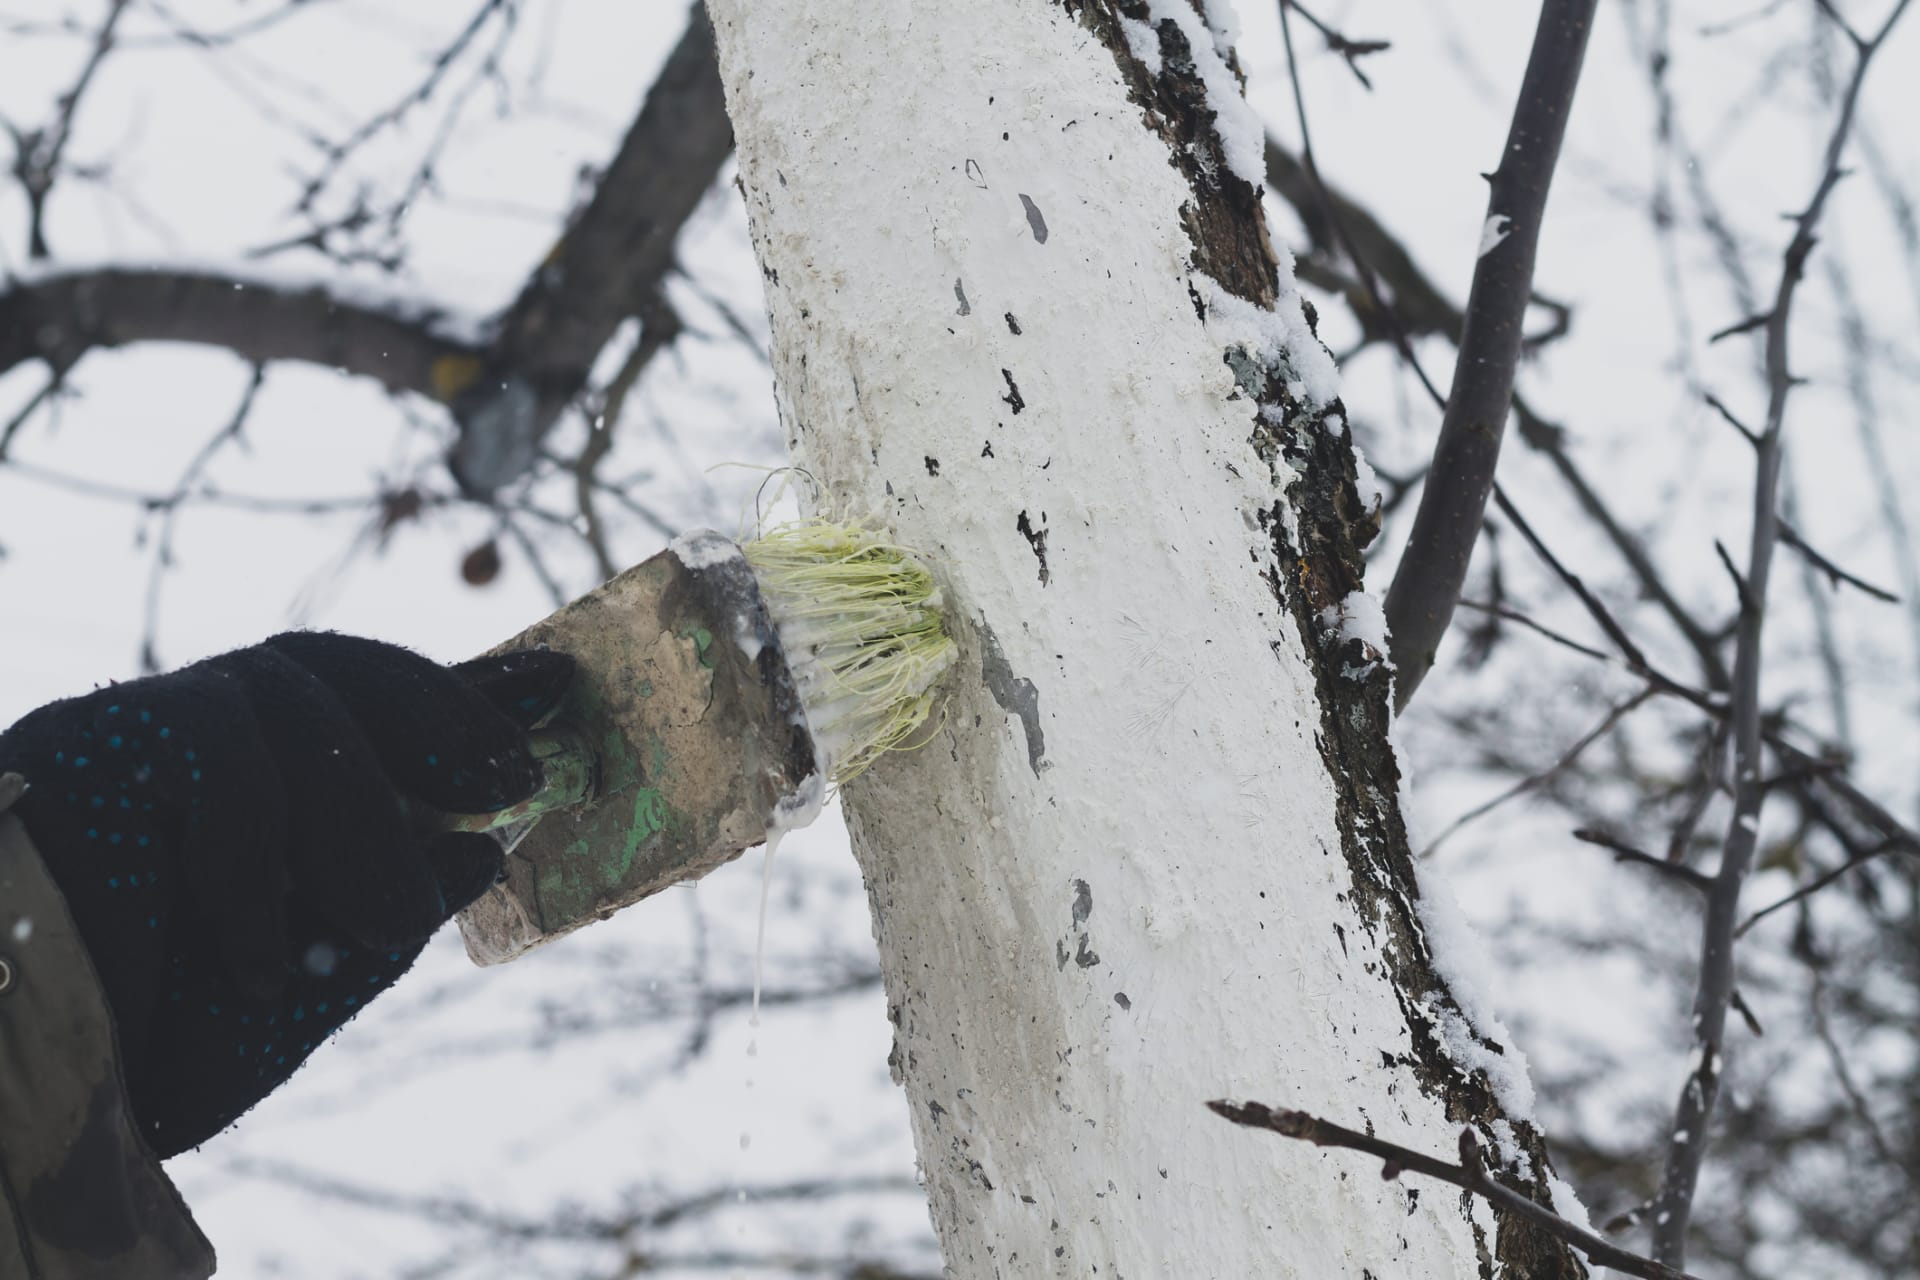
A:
{"x": 1112, "y": 886}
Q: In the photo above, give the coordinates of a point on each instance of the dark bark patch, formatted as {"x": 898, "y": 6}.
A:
{"x": 1016, "y": 696}
{"x": 1013, "y": 396}
{"x": 1013, "y": 326}
{"x": 1321, "y": 570}
{"x": 1035, "y": 223}
{"x": 933, "y": 465}
{"x": 1037, "y": 539}
{"x": 1224, "y": 221}
{"x": 960, "y": 292}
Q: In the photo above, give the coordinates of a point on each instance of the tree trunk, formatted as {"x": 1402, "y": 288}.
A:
{"x": 1026, "y": 316}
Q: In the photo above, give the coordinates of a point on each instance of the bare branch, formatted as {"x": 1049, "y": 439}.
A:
{"x": 54, "y": 385}
{"x": 1835, "y": 574}
{"x": 1336, "y": 223}
{"x": 1693, "y": 1116}
{"x": 1426, "y": 587}
{"x": 660, "y": 326}
{"x": 189, "y": 477}
{"x": 473, "y": 1215}
{"x": 1623, "y": 852}
{"x": 1350, "y": 49}
{"x": 1469, "y": 1175}
{"x": 1738, "y": 327}
{"x": 1535, "y": 781}
{"x": 39, "y": 153}
{"x": 1746, "y": 433}
{"x": 1515, "y": 615}
{"x": 1749, "y": 603}
{"x": 1818, "y": 883}
{"x": 1597, "y": 611}
{"x": 609, "y": 265}
{"x": 1549, "y": 440}
{"x": 58, "y": 318}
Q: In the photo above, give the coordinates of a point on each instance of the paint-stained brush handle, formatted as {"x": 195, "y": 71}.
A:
{"x": 681, "y": 738}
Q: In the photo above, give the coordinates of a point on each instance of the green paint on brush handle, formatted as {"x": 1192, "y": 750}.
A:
{"x": 572, "y": 776}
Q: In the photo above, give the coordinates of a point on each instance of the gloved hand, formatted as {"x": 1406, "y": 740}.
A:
{"x": 233, "y": 842}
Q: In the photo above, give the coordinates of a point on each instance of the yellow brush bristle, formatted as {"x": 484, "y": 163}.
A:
{"x": 860, "y": 620}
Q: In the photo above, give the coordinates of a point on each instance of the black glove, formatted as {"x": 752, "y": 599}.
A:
{"x": 233, "y": 842}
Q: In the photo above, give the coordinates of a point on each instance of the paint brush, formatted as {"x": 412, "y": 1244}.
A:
{"x": 722, "y": 690}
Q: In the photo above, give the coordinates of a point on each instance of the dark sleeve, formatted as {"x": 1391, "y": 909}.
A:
{"x": 81, "y": 1197}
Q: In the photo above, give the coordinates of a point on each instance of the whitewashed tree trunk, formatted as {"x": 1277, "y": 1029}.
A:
{"x": 1154, "y": 855}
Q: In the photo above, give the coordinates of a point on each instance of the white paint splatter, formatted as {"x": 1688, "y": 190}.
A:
{"x": 1497, "y": 229}
{"x": 703, "y": 549}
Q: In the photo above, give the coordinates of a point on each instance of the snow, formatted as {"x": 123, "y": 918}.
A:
{"x": 1566, "y": 1202}
{"x": 1461, "y": 959}
{"x": 1360, "y": 616}
{"x": 1144, "y": 43}
{"x": 1506, "y": 1144}
{"x": 1243, "y": 139}
{"x": 1280, "y": 339}
{"x": 1223, "y": 20}
{"x": 1498, "y": 227}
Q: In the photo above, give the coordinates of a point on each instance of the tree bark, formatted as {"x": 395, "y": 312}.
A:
{"x": 1027, "y": 317}
{"x": 57, "y": 317}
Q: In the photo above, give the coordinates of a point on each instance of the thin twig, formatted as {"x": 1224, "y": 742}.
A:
{"x": 38, "y": 155}
{"x": 55, "y": 383}
{"x": 1535, "y": 781}
{"x": 1749, "y": 603}
{"x": 1350, "y": 49}
{"x": 1514, "y": 615}
{"x": 1323, "y": 199}
{"x": 660, "y": 326}
{"x": 1817, "y": 1000}
{"x": 1835, "y": 574}
{"x": 555, "y": 592}
{"x": 1623, "y": 852}
{"x": 1727, "y": 415}
{"x": 1601, "y": 615}
{"x": 1701, "y": 797}
{"x": 1469, "y": 1175}
{"x": 170, "y": 514}
{"x": 1818, "y": 883}
{"x": 1687, "y": 1146}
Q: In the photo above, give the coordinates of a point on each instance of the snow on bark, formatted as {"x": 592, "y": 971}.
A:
{"x": 1136, "y": 867}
